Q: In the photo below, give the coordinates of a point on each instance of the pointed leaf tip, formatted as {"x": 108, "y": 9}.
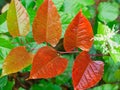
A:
{"x": 47, "y": 64}
{"x": 17, "y": 19}
{"x": 86, "y": 73}
{"x": 79, "y": 34}
{"x": 47, "y": 25}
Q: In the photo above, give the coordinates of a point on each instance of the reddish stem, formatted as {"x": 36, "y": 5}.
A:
{"x": 99, "y": 55}
{"x": 60, "y": 52}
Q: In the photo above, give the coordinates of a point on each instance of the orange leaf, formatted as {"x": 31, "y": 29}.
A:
{"x": 46, "y": 25}
{"x": 78, "y": 34}
{"x": 47, "y": 64}
{"x": 17, "y": 19}
{"x": 86, "y": 73}
{"x": 16, "y": 60}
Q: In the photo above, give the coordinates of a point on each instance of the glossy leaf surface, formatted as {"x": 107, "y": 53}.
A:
{"x": 78, "y": 34}
{"x": 46, "y": 25}
{"x": 17, "y": 59}
{"x": 86, "y": 73}
{"x": 47, "y": 64}
{"x": 17, "y": 19}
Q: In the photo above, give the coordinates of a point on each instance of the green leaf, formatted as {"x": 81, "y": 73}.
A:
{"x": 66, "y": 19}
{"x": 21, "y": 88}
{"x": 8, "y": 86}
{"x": 109, "y": 70}
{"x": 89, "y": 12}
{"x": 106, "y": 87}
{"x": 3, "y": 53}
{"x": 58, "y": 3}
{"x": 117, "y": 75}
{"x": 86, "y": 2}
{"x": 116, "y": 38}
{"x": 43, "y": 85}
{"x": 115, "y": 54}
{"x": 33, "y": 46}
{"x": 3, "y": 17}
{"x": 6, "y": 43}
{"x": 108, "y": 11}
{"x": 3, "y": 28}
{"x": 72, "y": 6}
{"x": 3, "y": 81}
{"x": 53, "y": 87}
{"x": 101, "y": 28}
{"x": 28, "y": 3}
{"x": 38, "y": 3}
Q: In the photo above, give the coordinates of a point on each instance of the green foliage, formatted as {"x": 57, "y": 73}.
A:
{"x": 109, "y": 70}
{"x": 3, "y": 17}
{"x": 45, "y": 86}
{"x": 106, "y": 40}
{"x": 3, "y": 28}
{"x": 106, "y": 87}
{"x": 3, "y": 81}
{"x": 6, "y": 43}
{"x": 8, "y": 86}
{"x": 108, "y": 11}
{"x": 106, "y": 23}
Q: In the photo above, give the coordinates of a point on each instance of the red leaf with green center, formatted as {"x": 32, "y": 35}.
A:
{"x": 86, "y": 73}
{"x": 79, "y": 34}
{"x": 47, "y": 64}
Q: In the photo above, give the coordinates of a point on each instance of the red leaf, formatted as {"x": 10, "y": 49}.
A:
{"x": 86, "y": 73}
{"x": 47, "y": 64}
{"x": 78, "y": 34}
{"x": 46, "y": 25}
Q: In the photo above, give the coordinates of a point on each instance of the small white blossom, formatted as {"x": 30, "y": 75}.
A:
{"x": 108, "y": 43}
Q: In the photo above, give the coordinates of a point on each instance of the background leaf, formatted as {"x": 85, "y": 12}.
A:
{"x": 6, "y": 43}
{"x": 3, "y": 17}
{"x": 108, "y": 11}
{"x": 3, "y": 81}
{"x": 106, "y": 87}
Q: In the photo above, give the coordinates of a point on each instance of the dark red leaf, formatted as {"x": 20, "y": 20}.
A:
{"x": 86, "y": 73}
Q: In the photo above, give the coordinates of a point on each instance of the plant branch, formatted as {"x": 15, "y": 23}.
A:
{"x": 60, "y": 52}
{"x": 99, "y": 55}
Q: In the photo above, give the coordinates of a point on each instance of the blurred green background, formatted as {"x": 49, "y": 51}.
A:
{"x": 101, "y": 13}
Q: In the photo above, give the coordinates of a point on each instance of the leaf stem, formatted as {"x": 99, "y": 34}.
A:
{"x": 60, "y": 52}
{"x": 99, "y": 55}
{"x": 71, "y": 52}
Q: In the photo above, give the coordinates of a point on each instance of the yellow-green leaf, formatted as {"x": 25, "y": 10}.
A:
{"x": 17, "y": 19}
{"x": 17, "y": 59}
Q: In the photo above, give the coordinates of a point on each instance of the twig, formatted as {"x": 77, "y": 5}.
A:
{"x": 99, "y": 55}
{"x": 60, "y": 52}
